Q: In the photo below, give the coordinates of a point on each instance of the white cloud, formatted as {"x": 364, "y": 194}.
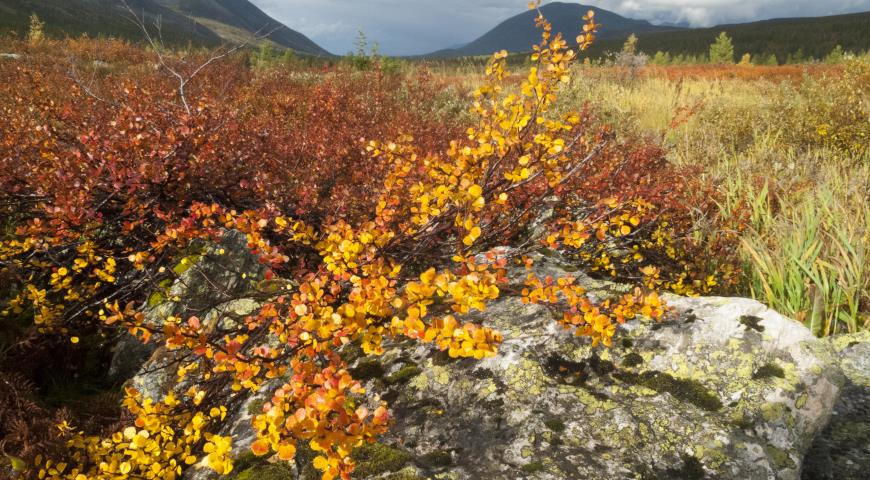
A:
{"x": 702, "y": 13}
{"x": 406, "y": 27}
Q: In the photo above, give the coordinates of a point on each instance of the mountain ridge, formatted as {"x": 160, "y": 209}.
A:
{"x": 518, "y": 33}
{"x": 245, "y": 15}
{"x": 814, "y": 36}
{"x": 199, "y": 22}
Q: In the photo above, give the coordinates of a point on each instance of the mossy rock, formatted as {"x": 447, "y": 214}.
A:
{"x": 437, "y": 459}
{"x": 533, "y": 467}
{"x": 555, "y": 425}
{"x": 769, "y": 370}
{"x": 686, "y": 390}
{"x": 267, "y": 471}
{"x": 377, "y": 458}
{"x": 247, "y": 460}
{"x": 403, "y": 375}
{"x": 407, "y": 473}
{"x": 368, "y": 369}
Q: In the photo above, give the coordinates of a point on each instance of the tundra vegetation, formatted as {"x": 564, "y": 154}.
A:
{"x": 373, "y": 193}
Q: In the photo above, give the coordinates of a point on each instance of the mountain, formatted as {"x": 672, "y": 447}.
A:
{"x": 518, "y": 33}
{"x": 230, "y": 17}
{"x": 198, "y": 22}
{"x": 811, "y": 36}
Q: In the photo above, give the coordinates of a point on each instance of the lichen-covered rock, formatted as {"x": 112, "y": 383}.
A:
{"x": 213, "y": 283}
{"x": 726, "y": 389}
{"x": 210, "y": 282}
{"x": 842, "y": 450}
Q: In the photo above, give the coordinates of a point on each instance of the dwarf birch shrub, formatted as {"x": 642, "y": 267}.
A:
{"x": 379, "y": 221}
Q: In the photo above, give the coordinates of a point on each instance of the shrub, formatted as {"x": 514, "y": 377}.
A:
{"x": 36, "y": 31}
{"x": 108, "y": 184}
{"x": 722, "y": 50}
{"x": 838, "y": 109}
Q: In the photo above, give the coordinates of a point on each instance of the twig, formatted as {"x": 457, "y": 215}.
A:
{"x": 183, "y": 80}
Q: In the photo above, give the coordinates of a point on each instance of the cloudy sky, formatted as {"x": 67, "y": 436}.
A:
{"x": 407, "y": 27}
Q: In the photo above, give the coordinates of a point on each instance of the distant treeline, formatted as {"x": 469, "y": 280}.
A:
{"x": 779, "y": 41}
{"x": 770, "y": 42}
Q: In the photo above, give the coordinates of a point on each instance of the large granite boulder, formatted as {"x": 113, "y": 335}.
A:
{"x": 211, "y": 282}
{"x": 726, "y": 388}
{"x": 842, "y": 450}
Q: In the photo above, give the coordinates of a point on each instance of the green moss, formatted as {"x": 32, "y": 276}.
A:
{"x": 555, "y": 425}
{"x": 752, "y": 322}
{"x": 773, "y": 411}
{"x": 156, "y": 298}
{"x": 377, "y": 458}
{"x": 367, "y": 370}
{"x": 739, "y": 418}
{"x": 408, "y": 473}
{"x": 437, "y": 459}
{"x": 632, "y": 360}
{"x": 533, "y": 467}
{"x": 686, "y": 390}
{"x": 801, "y": 400}
{"x": 769, "y": 370}
{"x": 780, "y": 458}
{"x": 268, "y": 471}
{"x": 247, "y": 460}
{"x": 403, "y": 375}
{"x": 842, "y": 342}
{"x": 185, "y": 263}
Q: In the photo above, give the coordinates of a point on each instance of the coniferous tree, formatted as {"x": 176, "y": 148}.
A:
{"x": 722, "y": 50}
{"x": 36, "y": 33}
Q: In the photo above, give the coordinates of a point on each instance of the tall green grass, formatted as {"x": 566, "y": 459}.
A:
{"x": 810, "y": 261}
{"x": 805, "y": 245}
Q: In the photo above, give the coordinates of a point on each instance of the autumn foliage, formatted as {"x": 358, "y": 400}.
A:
{"x": 378, "y": 212}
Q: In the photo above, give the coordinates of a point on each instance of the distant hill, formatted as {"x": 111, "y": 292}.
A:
{"x": 518, "y": 33}
{"x": 786, "y": 38}
{"x": 813, "y": 37}
{"x": 198, "y": 22}
{"x": 244, "y": 16}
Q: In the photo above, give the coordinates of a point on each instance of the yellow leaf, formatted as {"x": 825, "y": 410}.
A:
{"x": 260, "y": 447}
{"x": 472, "y": 236}
{"x": 286, "y": 451}
{"x": 320, "y": 462}
{"x": 17, "y": 463}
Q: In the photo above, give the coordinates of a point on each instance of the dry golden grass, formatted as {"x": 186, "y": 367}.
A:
{"x": 786, "y": 143}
